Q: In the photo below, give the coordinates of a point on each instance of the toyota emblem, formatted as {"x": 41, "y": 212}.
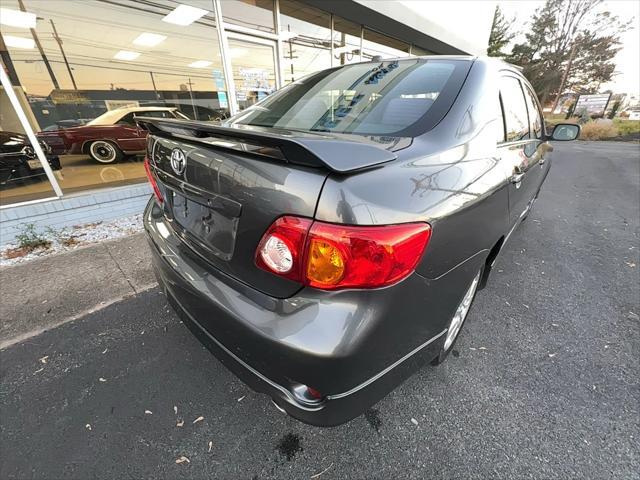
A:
{"x": 178, "y": 161}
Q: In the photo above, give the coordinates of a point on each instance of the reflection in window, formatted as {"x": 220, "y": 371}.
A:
{"x": 253, "y": 71}
{"x": 254, "y": 14}
{"x": 308, "y": 33}
{"x": 363, "y": 99}
{"x": 419, "y": 52}
{"x": 114, "y": 56}
{"x": 377, "y": 44}
{"x": 22, "y": 177}
{"x": 515, "y": 109}
{"x": 534, "y": 114}
{"x": 346, "y": 41}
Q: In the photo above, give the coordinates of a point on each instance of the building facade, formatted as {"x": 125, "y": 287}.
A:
{"x": 67, "y": 62}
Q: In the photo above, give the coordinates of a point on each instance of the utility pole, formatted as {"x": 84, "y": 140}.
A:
{"x": 153, "y": 81}
{"x": 564, "y": 77}
{"x": 290, "y": 56}
{"x": 54, "y": 80}
{"x": 59, "y": 40}
{"x": 193, "y": 105}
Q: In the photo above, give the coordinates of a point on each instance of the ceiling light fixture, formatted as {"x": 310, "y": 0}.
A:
{"x": 184, "y": 15}
{"x": 16, "y": 18}
{"x": 18, "y": 42}
{"x": 199, "y": 64}
{"x": 237, "y": 52}
{"x": 149, "y": 39}
{"x": 126, "y": 55}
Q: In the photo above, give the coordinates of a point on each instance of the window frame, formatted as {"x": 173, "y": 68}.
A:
{"x": 528, "y": 89}
{"x": 519, "y": 79}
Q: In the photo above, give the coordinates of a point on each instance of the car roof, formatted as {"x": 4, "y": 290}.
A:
{"x": 141, "y": 109}
{"x": 112, "y": 116}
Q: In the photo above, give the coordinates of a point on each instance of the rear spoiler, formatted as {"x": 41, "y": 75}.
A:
{"x": 337, "y": 155}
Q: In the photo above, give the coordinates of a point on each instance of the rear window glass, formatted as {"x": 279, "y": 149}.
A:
{"x": 398, "y": 97}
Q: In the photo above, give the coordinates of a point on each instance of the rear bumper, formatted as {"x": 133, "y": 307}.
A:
{"x": 352, "y": 346}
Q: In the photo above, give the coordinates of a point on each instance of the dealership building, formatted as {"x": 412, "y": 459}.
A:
{"x": 67, "y": 62}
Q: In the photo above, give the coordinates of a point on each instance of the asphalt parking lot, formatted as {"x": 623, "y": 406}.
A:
{"x": 544, "y": 381}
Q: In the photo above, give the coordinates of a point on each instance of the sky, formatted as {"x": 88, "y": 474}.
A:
{"x": 627, "y": 78}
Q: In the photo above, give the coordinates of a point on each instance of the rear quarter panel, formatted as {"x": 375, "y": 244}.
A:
{"x": 450, "y": 177}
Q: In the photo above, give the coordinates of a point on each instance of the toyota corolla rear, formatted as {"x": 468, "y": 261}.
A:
{"x": 319, "y": 316}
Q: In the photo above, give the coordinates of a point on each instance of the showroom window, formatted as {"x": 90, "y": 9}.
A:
{"x": 419, "y": 52}
{"x": 253, "y": 14}
{"x": 77, "y": 65}
{"x": 81, "y": 64}
{"x": 377, "y": 44}
{"x": 22, "y": 177}
{"x": 306, "y": 34}
{"x": 346, "y": 41}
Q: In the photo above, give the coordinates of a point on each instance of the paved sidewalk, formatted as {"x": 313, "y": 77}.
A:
{"x": 53, "y": 290}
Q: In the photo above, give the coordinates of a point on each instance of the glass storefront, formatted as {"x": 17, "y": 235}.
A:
{"x": 22, "y": 177}
{"x": 377, "y": 44}
{"x": 82, "y": 70}
{"x": 307, "y": 48}
{"x": 346, "y": 41}
{"x": 253, "y": 65}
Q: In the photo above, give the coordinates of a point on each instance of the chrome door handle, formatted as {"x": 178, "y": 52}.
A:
{"x": 517, "y": 177}
{"x": 541, "y": 161}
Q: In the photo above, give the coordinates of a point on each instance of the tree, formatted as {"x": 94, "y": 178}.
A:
{"x": 569, "y": 39}
{"x": 500, "y": 34}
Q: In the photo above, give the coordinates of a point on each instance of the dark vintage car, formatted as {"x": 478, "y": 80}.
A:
{"x": 328, "y": 241}
{"x": 109, "y": 137}
{"x": 18, "y": 159}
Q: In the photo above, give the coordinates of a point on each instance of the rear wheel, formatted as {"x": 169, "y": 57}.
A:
{"x": 458, "y": 320}
{"x": 104, "y": 151}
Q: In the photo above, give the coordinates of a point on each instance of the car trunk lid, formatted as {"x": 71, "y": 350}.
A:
{"x": 225, "y": 186}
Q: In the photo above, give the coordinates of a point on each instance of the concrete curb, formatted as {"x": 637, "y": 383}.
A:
{"x": 57, "y": 289}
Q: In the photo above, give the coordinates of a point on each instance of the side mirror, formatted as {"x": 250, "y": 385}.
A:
{"x": 565, "y": 132}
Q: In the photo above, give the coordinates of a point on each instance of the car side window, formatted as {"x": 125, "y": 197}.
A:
{"x": 155, "y": 114}
{"x": 515, "y": 109}
{"x": 534, "y": 114}
{"x": 126, "y": 120}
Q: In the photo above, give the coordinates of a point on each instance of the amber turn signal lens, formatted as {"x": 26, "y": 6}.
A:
{"x": 325, "y": 263}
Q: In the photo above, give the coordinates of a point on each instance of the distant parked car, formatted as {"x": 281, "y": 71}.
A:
{"x": 18, "y": 159}
{"x": 110, "y": 137}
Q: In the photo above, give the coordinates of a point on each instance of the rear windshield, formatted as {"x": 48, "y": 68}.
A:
{"x": 397, "y": 98}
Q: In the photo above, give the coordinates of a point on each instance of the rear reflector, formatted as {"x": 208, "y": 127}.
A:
{"x": 280, "y": 250}
{"x": 152, "y": 180}
{"x": 331, "y": 256}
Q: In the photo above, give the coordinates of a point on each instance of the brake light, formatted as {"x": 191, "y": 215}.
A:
{"x": 331, "y": 256}
{"x": 152, "y": 180}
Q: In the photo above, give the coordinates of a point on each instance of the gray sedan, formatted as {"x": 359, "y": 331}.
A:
{"x": 328, "y": 241}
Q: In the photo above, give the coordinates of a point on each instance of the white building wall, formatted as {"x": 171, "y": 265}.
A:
{"x": 464, "y": 24}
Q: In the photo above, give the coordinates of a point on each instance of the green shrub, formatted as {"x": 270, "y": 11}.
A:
{"x": 626, "y": 127}
{"x": 29, "y": 238}
{"x": 595, "y": 130}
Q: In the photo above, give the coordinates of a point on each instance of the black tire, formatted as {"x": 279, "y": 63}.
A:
{"x": 104, "y": 151}
{"x": 469, "y": 296}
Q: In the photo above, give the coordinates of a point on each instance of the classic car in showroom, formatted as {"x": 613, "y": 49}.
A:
{"x": 109, "y": 137}
{"x": 18, "y": 159}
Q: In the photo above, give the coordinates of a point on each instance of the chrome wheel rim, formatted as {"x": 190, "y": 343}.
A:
{"x": 103, "y": 152}
{"x": 461, "y": 313}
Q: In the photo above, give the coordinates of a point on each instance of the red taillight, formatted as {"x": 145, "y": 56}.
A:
{"x": 331, "y": 256}
{"x": 280, "y": 250}
{"x": 152, "y": 180}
